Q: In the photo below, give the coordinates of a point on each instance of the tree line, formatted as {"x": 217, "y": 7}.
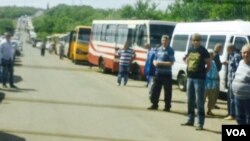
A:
{"x": 64, "y": 18}
{"x": 8, "y": 16}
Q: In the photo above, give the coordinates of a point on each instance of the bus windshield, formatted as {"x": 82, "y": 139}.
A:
{"x": 156, "y": 31}
{"x": 83, "y": 36}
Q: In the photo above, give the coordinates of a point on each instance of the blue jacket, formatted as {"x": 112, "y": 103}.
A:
{"x": 149, "y": 68}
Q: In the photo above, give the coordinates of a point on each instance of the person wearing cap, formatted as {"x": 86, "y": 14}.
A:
{"x": 163, "y": 61}
{"x": 232, "y": 65}
{"x": 241, "y": 87}
{"x": 7, "y": 58}
{"x": 211, "y": 84}
{"x": 198, "y": 64}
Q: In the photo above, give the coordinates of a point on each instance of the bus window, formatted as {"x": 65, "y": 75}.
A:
{"x": 103, "y": 32}
{"x": 141, "y": 35}
{"x": 214, "y": 39}
{"x": 156, "y": 31}
{"x": 83, "y": 36}
{"x": 110, "y": 33}
{"x": 203, "y": 41}
{"x": 239, "y": 42}
{"x": 97, "y": 32}
{"x": 122, "y": 32}
{"x": 180, "y": 42}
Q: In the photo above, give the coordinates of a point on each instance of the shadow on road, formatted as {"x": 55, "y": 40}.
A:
{"x": 2, "y": 96}
{"x": 61, "y": 135}
{"x": 17, "y": 89}
{"x": 17, "y": 78}
{"x": 9, "y": 137}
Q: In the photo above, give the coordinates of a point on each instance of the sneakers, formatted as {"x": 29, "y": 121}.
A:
{"x": 229, "y": 118}
{"x": 166, "y": 109}
{"x": 153, "y": 107}
{"x": 216, "y": 107}
{"x": 210, "y": 113}
{"x": 13, "y": 86}
{"x": 199, "y": 127}
{"x": 187, "y": 124}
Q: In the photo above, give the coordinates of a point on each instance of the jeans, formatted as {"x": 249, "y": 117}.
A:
{"x": 123, "y": 73}
{"x": 242, "y": 111}
{"x": 150, "y": 81}
{"x": 155, "y": 91}
{"x": 195, "y": 94}
{"x": 7, "y": 71}
{"x": 230, "y": 100}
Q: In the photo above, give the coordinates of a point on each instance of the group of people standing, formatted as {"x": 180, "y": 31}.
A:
{"x": 53, "y": 47}
{"x": 7, "y": 59}
{"x": 203, "y": 67}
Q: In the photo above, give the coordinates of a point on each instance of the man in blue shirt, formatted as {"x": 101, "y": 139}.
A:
{"x": 149, "y": 68}
{"x": 7, "y": 58}
{"x": 163, "y": 61}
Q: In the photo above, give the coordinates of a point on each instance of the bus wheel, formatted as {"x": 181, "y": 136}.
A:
{"x": 182, "y": 81}
{"x": 102, "y": 67}
{"x": 74, "y": 61}
{"x": 136, "y": 72}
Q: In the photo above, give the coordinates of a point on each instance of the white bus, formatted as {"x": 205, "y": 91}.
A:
{"x": 107, "y": 36}
{"x": 224, "y": 32}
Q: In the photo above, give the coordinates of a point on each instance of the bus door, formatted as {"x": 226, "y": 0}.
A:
{"x": 141, "y": 37}
{"x": 72, "y": 38}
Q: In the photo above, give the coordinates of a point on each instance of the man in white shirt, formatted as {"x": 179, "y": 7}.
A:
{"x": 7, "y": 59}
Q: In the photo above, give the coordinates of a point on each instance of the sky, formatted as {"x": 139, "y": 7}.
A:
{"x": 162, "y": 4}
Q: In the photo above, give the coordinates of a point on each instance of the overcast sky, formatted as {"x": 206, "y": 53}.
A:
{"x": 94, "y": 3}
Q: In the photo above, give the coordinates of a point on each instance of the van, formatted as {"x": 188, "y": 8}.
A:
{"x": 224, "y": 32}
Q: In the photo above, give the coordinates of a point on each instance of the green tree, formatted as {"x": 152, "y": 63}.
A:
{"x": 6, "y": 25}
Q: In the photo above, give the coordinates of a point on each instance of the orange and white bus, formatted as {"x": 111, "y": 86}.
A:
{"x": 79, "y": 43}
{"x": 107, "y": 36}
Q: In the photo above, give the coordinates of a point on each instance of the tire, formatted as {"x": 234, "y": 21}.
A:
{"x": 102, "y": 67}
{"x": 136, "y": 72}
{"x": 182, "y": 81}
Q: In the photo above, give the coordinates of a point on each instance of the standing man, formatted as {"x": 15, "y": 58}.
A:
{"x": 7, "y": 57}
{"x": 198, "y": 64}
{"x": 163, "y": 61}
{"x": 149, "y": 68}
{"x": 217, "y": 51}
{"x": 232, "y": 64}
{"x": 61, "y": 49}
{"x": 43, "y": 47}
{"x": 241, "y": 87}
{"x": 126, "y": 55}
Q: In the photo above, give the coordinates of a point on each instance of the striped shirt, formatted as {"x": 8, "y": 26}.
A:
{"x": 126, "y": 55}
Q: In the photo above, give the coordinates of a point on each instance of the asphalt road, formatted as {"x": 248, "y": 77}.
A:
{"x": 60, "y": 101}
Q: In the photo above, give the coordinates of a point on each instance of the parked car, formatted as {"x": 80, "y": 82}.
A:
{"x": 17, "y": 45}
